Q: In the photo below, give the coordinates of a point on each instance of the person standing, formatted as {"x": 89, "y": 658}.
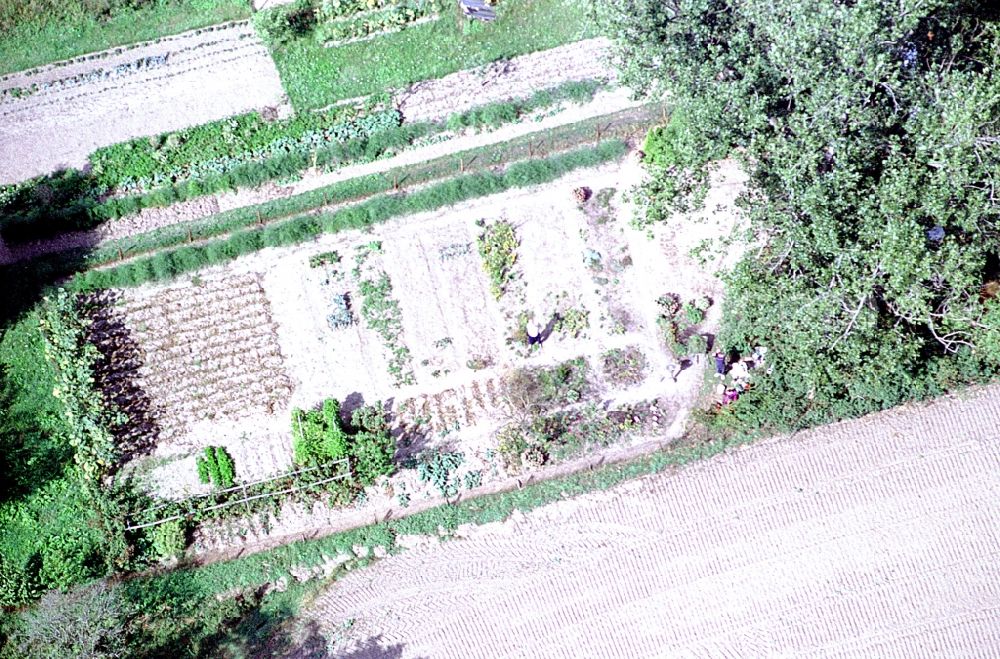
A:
{"x": 720, "y": 363}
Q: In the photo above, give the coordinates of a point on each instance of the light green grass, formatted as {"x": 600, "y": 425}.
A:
{"x": 315, "y": 76}
{"x": 64, "y": 28}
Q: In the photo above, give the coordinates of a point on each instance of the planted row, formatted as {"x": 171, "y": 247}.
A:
{"x": 169, "y": 264}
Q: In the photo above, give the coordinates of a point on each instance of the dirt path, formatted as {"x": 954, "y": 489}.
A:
{"x": 110, "y": 97}
{"x": 876, "y": 537}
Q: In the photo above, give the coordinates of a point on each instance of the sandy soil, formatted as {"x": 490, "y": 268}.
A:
{"x": 606, "y": 102}
{"x": 110, "y": 97}
{"x": 875, "y": 537}
{"x": 518, "y": 77}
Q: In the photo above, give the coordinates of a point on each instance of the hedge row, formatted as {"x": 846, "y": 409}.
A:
{"x": 168, "y": 264}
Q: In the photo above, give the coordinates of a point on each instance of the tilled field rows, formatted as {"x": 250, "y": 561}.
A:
{"x": 875, "y": 537}
{"x": 186, "y": 80}
{"x": 210, "y": 352}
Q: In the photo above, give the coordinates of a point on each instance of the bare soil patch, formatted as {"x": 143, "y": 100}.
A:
{"x": 867, "y": 538}
{"x": 110, "y": 97}
{"x": 210, "y": 353}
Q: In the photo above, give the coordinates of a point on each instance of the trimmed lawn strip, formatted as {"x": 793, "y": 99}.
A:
{"x": 52, "y": 39}
{"x": 167, "y": 265}
{"x": 271, "y": 565}
{"x": 315, "y": 76}
{"x": 621, "y": 125}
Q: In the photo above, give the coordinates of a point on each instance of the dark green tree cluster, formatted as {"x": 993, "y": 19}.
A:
{"x": 870, "y": 132}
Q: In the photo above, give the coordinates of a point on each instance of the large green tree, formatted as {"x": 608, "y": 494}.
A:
{"x": 870, "y": 131}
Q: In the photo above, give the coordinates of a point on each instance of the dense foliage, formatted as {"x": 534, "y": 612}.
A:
{"x": 319, "y": 436}
{"x": 215, "y": 466}
{"x": 57, "y": 527}
{"x": 869, "y": 132}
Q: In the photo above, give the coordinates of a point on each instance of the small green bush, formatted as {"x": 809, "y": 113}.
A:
{"x": 215, "y": 466}
{"x": 498, "y": 249}
{"x": 169, "y": 539}
{"x": 227, "y": 470}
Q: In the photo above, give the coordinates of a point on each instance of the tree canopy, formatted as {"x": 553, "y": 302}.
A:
{"x": 870, "y": 132}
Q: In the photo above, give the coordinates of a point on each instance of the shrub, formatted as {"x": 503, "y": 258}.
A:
{"x": 696, "y": 345}
{"x": 215, "y": 465}
{"x": 498, "y": 249}
{"x": 437, "y": 468}
{"x": 169, "y": 539}
{"x": 203, "y": 474}
{"x": 227, "y": 470}
{"x": 624, "y": 366}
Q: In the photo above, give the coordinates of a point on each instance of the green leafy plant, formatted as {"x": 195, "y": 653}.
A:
{"x": 169, "y": 539}
{"x": 498, "y": 249}
{"x": 216, "y": 463}
{"x": 624, "y": 366}
{"x": 438, "y": 468}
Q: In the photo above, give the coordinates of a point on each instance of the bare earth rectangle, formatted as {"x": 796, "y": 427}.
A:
{"x": 111, "y": 97}
{"x": 875, "y": 537}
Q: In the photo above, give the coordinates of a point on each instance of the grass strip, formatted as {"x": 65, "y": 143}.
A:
{"x": 621, "y": 124}
{"x": 42, "y": 31}
{"x": 228, "y": 154}
{"x": 169, "y": 264}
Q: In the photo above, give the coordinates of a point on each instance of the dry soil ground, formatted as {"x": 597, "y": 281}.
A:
{"x": 518, "y": 77}
{"x": 448, "y": 317}
{"x": 116, "y": 95}
{"x": 875, "y": 537}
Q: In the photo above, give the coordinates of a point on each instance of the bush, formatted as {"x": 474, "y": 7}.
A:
{"x": 169, "y": 539}
{"x": 498, "y": 249}
{"x": 227, "y": 470}
{"x": 318, "y": 436}
{"x": 696, "y": 345}
{"x": 215, "y": 465}
{"x": 624, "y": 366}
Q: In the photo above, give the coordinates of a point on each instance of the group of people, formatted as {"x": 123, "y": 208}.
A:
{"x": 738, "y": 371}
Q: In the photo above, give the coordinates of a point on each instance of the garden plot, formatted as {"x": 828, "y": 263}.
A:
{"x": 212, "y": 364}
{"x": 406, "y": 313}
{"x": 55, "y": 116}
{"x": 518, "y": 77}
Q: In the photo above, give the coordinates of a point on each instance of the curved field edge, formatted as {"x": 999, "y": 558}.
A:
{"x": 50, "y": 40}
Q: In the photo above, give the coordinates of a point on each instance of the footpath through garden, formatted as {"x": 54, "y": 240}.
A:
{"x": 872, "y": 537}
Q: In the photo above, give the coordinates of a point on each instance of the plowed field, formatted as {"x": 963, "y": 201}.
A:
{"x": 877, "y": 537}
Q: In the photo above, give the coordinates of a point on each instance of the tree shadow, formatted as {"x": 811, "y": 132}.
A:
{"x": 116, "y": 374}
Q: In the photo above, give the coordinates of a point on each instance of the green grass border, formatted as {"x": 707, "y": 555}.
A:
{"x": 619, "y": 125}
